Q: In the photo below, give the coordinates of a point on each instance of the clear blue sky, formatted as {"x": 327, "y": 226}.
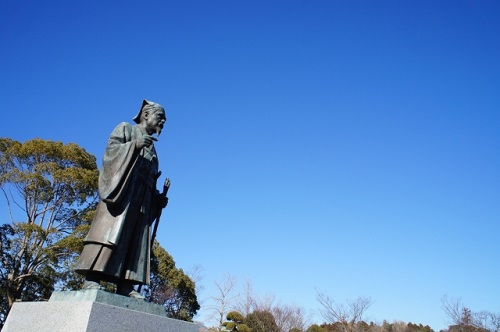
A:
{"x": 347, "y": 146}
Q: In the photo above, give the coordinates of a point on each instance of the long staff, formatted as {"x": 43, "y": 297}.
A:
{"x": 166, "y": 186}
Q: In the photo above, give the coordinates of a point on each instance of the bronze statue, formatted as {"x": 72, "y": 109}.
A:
{"x": 118, "y": 245}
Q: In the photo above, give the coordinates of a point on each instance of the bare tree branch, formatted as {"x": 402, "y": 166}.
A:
{"x": 348, "y": 316}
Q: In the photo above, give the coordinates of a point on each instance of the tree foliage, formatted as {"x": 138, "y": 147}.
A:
{"x": 261, "y": 321}
{"x": 170, "y": 286}
{"x": 410, "y": 327}
{"x": 235, "y": 323}
{"x": 315, "y": 328}
{"x": 50, "y": 190}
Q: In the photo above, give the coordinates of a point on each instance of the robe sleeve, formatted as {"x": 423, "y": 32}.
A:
{"x": 118, "y": 162}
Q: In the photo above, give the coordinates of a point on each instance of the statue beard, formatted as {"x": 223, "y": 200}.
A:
{"x": 158, "y": 131}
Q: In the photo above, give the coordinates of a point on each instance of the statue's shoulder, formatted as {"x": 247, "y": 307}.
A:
{"x": 123, "y": 132}
{"x": 126, "y": 131}
{"x": 125, "y": 125}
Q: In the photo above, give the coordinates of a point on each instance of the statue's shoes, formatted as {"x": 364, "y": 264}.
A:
{"x": 135, "y": 295}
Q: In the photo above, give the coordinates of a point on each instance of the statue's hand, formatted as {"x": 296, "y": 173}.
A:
{"x": 162, "y": 201}
{"x": 144, "y": 141}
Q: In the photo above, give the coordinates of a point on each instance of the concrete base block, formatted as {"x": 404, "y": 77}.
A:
{"x": 84, "y": 315}
{"x": 100, "y": 296}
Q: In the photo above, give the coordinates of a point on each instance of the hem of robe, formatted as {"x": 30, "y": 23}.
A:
{"x": 101, "y": 255}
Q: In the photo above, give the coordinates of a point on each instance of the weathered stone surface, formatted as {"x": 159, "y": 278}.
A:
{"x": 103, "y": 297}
{"x": 92, "y": 311}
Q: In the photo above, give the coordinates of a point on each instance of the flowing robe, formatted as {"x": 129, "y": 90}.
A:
{"x": 117, "y": 246}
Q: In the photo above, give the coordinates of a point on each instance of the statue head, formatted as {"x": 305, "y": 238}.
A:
{"x": 147, "y": 106}
{"x": 151, "y": 116}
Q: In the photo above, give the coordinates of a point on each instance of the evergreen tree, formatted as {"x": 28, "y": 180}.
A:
{"x": 235, "y": 323}
{"x": 170, "y": 286}
{"x": 261, "y": 321}
{"x": 53, "y": 187}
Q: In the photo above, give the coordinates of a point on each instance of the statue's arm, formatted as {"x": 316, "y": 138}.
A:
{"x": 119, "y": 157}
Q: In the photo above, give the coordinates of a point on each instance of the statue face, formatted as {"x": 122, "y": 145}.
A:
{"x": 154, "y": 121}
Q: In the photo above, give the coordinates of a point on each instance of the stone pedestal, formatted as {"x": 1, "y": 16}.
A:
{"x": 92, "y": 310}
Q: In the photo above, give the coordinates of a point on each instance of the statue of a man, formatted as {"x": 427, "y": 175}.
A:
{"x": 118, "y": 245}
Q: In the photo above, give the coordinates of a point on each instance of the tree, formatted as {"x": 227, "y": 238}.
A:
{"x": 261, "y": 321}
{"x": 410, "y": 327}
{"x": 334, "y": 327}
{"x": 463, "y": 319}
{"x": 246, "y": 302}
{"x": 53, "y": 187}
{"x": 223, "y": 301}
{"x": 170, "y": 286}
{"x": 196, "y": 274}
{"x": 235, "y": 323}
{"x": 287, "y": 317}
{"x": 494, "y": 321}
{"x": 315, "y": 328}
{"x": 295, "y": 329}
{"x": 348, "y": 316}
